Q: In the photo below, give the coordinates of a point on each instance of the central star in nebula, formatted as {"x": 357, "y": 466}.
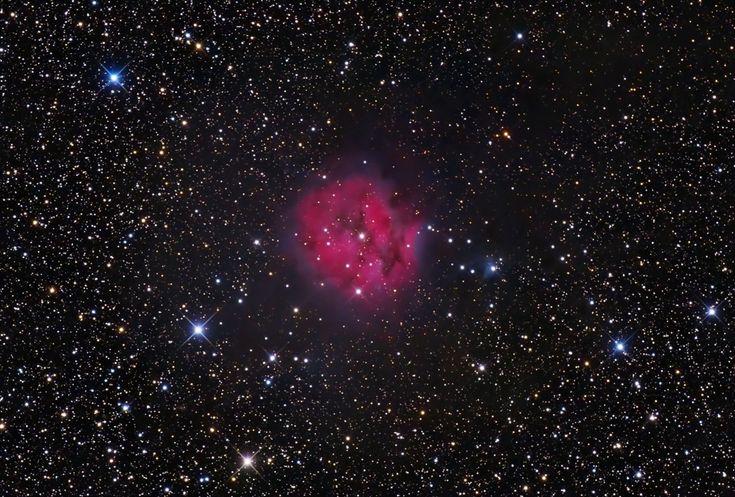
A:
{"x": 358, "y": 237}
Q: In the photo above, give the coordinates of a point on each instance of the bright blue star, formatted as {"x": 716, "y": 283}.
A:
{"x": 620, "y": 346}
{"x": 711, "y": 311}
{"x": 490, "y": 269}
{"x": 198, "y": 329}
{"x": 114, "y": 76}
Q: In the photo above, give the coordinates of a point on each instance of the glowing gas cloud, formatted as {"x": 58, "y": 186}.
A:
{"x": 358, "y": 236}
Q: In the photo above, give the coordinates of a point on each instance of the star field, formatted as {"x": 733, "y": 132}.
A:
{"x": 367, "y": 248}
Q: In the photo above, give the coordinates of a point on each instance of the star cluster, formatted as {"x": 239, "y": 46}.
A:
{"x": 535, "y": 202}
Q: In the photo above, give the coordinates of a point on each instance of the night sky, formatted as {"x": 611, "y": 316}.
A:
{"x": 367, "y": 249}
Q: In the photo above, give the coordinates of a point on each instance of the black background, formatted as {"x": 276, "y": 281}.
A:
{"x": 618, "y": 159}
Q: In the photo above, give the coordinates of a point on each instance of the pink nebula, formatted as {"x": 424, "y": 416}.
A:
{"x": 358, "y": 237}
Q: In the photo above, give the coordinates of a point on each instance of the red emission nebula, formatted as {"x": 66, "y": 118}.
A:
{"x": 358, "y": 237}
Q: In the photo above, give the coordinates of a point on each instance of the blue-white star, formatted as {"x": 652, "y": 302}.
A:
{"x": 198, "y": 329}
{"x": 711, "y": 311}
{"x": 114, "y": 76}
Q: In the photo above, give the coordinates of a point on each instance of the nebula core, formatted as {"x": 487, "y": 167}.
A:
{"x": 358, "y": 237}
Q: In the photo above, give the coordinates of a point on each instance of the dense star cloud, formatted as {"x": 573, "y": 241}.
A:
{"x": 366, "y": 249}
{"x": 358, "y": 236}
